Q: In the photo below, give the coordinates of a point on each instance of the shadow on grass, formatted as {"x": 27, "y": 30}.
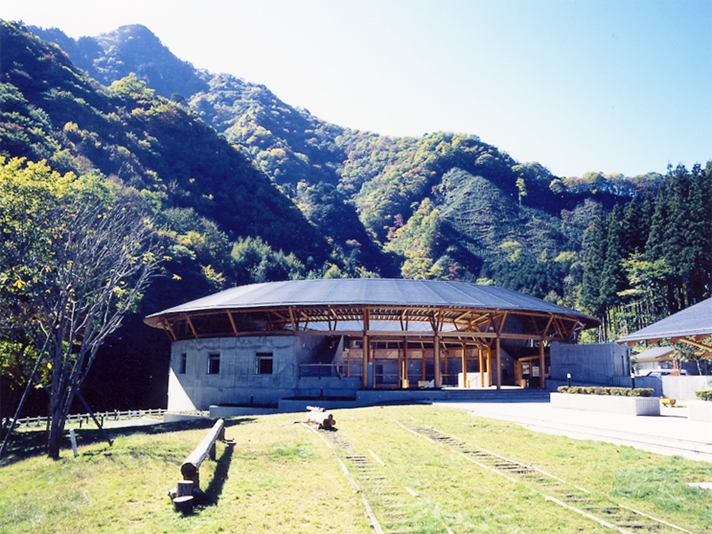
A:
{"x": 215, "y": 488}
{"x": 27, "y": 444}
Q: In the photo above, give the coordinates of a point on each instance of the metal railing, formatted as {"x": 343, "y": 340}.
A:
{"x": 328, "y": 370}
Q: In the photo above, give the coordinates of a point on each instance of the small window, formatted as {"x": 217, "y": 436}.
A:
{"x": 182, "y": 363}
{"x": 214, "y": 364}
{"x": 263, "y": 363}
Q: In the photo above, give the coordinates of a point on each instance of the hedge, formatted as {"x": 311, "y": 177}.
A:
{"x": 598, "y": 390}
{"x": 704, "y": 394}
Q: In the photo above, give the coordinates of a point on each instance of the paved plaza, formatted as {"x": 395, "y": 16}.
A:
{"x": 672, "y": 433}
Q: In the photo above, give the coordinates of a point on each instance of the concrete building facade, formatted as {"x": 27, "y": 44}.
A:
{"x": 255, "y": 345}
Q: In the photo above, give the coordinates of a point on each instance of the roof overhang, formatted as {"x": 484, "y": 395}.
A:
{"x": 691, "y": 326}
{"x": 379, "y": 307}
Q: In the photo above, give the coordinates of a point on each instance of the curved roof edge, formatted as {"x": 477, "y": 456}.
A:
{"x": 372, "y": 292}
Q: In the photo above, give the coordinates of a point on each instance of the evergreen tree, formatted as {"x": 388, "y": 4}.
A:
{"x": 693, "y": 219}
{"x": 634, "y": 226}
{"x": 595, "y": 254}
{"x": 613, "y": 279}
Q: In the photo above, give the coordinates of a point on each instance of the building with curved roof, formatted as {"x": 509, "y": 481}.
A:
{"x": 263, "y": 342}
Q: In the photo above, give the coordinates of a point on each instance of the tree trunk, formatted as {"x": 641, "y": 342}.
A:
{"x": 56, "y": 430}
{"x": 58, "y": 417}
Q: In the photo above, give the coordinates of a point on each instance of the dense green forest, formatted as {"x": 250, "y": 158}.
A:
{"x": 248, "y": 188}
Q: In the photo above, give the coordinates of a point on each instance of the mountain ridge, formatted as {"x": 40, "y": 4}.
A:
{"x": 334, "y": 173}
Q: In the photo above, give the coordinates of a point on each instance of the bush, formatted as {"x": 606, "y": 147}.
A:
{"x": 704, "y": 394}
{"x": 599, "y": 390}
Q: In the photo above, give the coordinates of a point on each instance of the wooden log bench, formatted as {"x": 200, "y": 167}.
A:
{"x": 183, "y": 495}
{"x": 191, "y": 466}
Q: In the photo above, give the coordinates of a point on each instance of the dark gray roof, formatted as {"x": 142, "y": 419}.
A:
{"x": 373, "y": 291}
{"x": 694, "y": 321}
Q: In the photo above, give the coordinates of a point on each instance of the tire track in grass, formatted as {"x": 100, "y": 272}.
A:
{"x": 574, "y": 498}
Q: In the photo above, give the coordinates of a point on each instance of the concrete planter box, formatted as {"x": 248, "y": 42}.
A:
{"x": 607, "y": 403}
{"x": 700, "y": 411}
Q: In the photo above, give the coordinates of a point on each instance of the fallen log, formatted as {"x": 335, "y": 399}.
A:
{"x": 191, "y": 466}
{"x": 317, "y": 416}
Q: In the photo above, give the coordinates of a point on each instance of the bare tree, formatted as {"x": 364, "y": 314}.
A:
{"x": 93, "y": 253}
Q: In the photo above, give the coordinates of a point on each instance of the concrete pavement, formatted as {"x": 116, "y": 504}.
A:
{"x": 672, "y": 433}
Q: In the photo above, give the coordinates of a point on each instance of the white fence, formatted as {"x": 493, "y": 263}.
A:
{"x": 115, "y": 415}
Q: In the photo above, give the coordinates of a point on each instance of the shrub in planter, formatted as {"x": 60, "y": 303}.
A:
{"x": 704, "y": 394}
{"x": 610, "y": 391}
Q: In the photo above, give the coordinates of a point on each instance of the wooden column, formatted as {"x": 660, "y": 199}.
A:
{"x": 366, "y": 357}
{"x": 446, "y": 354}
{"x": 436, "y": 362}
{"x": 542, "y": 366}
{"x": 489, "y": 366}
{"x": 405, "y": 363}
{"x": 481, "y": 357}
{"x": 464, "y": 364}
{"x": 400, "y": 365}
{"x": 499, "y": 364}
{"x": 423, "y": 364}
{"x": 366, "y": 349}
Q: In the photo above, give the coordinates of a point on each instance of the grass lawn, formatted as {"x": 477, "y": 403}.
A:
{"x": 281, "y": 477}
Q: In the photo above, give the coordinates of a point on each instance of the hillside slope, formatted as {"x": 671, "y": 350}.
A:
{"x": 209, "y": 193}
{"x": 335, "y": 175}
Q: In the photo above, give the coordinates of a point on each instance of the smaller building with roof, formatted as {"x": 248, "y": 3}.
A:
{"x": 692, "y": 326}
{"x": 260, "y": 343}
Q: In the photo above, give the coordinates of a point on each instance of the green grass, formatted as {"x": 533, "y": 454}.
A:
{"x": 280, "y": 477}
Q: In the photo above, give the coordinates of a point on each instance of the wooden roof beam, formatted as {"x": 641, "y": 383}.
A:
{"x": 232, "y": 322}
{"x": 169, "y": 329}
{"x": 190, "y": 324}
{"x": 691, "y": 342}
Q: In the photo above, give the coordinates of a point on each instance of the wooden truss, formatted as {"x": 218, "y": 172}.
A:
{"x": 397, "y": 321}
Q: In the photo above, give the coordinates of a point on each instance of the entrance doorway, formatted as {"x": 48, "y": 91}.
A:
{"x": 528, "y": 372}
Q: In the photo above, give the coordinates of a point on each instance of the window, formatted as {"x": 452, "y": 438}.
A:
{"x": 263, "y": 363}
{"x": 213, "y": 364}
{"x": 182, "y": 364}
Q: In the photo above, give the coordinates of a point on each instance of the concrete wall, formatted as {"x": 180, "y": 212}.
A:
{"x": 684, "y": 387}
{"x": 602, "y": 364}
{"x": 238, "y": 383}
{"x": 653, "y": 382}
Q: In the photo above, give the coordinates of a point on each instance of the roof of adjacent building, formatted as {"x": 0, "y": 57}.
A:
{"x": 654, "y": 354}
{"x": 371, "y": 292}
{"x": 695, "y": 321}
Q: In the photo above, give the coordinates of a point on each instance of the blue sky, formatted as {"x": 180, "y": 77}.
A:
{"x": 577, "y": 85}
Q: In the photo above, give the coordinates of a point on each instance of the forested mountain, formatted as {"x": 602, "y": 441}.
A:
{"x": 210, "y": 195}
{"x": 250, "y": 188}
